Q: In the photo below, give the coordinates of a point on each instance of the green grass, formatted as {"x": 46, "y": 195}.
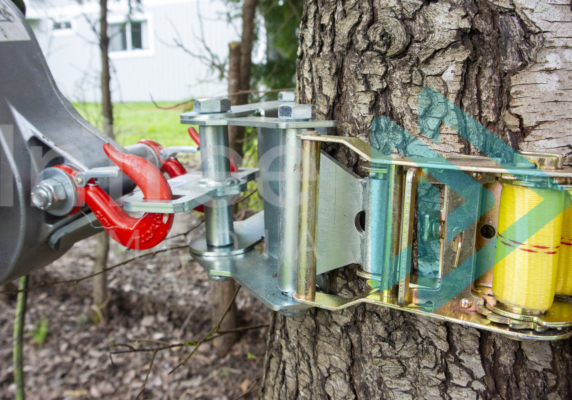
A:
{"x": 136, "y": 121}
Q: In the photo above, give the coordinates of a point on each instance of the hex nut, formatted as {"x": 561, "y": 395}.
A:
{"x": 295, "y": 111}
{"x": 49, "y": 194}
{"x": 210, "y": 106}
{"x": 287, "y": 96}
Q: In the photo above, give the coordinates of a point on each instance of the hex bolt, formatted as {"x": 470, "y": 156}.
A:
{"x": 41, "y": 198}
{"x": 287, "y": 96}
{"x": 49, "y": 194}
{"x": 295, "y": 111}
{"x": 466, "y": 303}
{"x": 211, "y": 106}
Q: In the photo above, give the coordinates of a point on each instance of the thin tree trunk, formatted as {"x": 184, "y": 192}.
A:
{"x": 235, "y": 133}
{"x": 247, "y": 40}
{"x": 18, "y": 346}
{"x": 222, "y": 292}
{"x": 239, "y": 74}
{"x": 508, "y": 65}
{"x": 221, "y": 295}
{"x": 100, "y": 293}
{"x": 106, "y": 104}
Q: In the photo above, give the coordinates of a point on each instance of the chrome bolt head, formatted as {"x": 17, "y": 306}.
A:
{"x": 79, "y": 180}
{"x": 295, "y": 111}
{"x": 466, "y": 303}
{"x": 211, "y": 106}
{"x": 49, "y": 194}
{"x": 41, "y": 198}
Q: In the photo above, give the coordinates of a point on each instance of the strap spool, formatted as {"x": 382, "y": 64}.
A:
{"x": 564, "y": 276}
{"x": 524, "y": 281}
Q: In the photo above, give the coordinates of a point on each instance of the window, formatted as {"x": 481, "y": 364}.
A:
{"x": 128, "y": 36}
{"x": 62, "y": 25}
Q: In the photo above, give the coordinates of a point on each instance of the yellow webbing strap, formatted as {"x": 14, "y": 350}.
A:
{"x": 526, "y": 278}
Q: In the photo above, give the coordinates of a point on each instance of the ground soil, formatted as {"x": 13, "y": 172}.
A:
{"x": 164, "y": 298}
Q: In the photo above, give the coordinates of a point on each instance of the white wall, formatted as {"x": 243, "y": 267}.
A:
{"x": 166, "y": 73}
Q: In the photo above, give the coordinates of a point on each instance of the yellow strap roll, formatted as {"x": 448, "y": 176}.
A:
{"x": 564, "y": 279}
{"x": 526, "y": 278}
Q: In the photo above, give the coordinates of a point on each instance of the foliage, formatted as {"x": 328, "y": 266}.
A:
{"x": 40, "y": 332}
{"x": 282, "y": 21}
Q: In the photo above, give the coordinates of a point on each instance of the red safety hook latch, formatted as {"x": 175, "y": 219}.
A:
{"x": 135, "y": 233}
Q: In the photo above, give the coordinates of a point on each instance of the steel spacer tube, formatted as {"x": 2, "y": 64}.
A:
{"x": 308, "y": 228}
{"x": 215, "y": 163}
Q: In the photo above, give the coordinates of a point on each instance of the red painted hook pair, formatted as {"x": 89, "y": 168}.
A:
{"x": 135, "y": 233}
{"x": 150, "y": 229}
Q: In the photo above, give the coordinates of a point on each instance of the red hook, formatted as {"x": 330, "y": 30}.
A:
{"x": 135, "y": 233}
{"x": 171, "y": 166}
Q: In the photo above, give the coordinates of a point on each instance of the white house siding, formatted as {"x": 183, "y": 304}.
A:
{"x": 161, "y": 71}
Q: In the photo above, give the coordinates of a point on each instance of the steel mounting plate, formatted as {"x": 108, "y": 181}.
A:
{"x": 189, "y": 192}
{"x": 255, "y": 271}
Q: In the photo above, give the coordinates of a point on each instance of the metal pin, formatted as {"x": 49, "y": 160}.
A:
{"x": 307, "y": 231}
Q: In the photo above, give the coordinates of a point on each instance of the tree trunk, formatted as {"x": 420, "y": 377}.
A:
{"x": 106, "y": 104}
{"x": 239, "y": 71}
{"x": 222, "y": 292}
{"x": 221, "y": 295}
{"x": 508, "y": 65}
{"x": 247, "y": 41}
{"x": 235, "y": 133}
{"x": 100, "y": 293}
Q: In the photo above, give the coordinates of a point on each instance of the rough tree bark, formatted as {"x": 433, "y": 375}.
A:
{"x": 505, "y": 62}
{"x": 100, "y": 293}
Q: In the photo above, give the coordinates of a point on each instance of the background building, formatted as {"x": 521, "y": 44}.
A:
{"x": 145, "y": 50}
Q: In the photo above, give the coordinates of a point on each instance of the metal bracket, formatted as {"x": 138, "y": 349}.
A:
{"x": 190, "y": 191}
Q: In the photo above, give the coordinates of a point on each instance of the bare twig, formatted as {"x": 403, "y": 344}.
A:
{"x": 147, "y": 376}
{"x": 245, "y": 328}
{"x": 77, "y": 280}
{"x": 19, "y": 339}
{"x": 215, "y": 329}
{"x": 229, "y": 94}
{"x": 249, "y": 389}
{"x": 175, "y": 345}
{"x": 246, "y": 197}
